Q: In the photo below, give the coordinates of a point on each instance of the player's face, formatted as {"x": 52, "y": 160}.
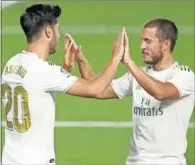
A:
{"x": 55, "y": 38}
{"x": 151, "y": 46}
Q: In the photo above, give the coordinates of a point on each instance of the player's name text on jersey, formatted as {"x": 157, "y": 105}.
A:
{"x": 15, "y": 69}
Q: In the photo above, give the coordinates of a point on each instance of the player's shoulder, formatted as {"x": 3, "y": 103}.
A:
{"x": 182, "y": 72}
{"x": 50, "y": 63}
{"x": 51, "y": 67}
{"x": 182, "y": 69}
{"x": 12, "y": 59}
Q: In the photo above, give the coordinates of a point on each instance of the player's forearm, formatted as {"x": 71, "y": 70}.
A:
{"x": 103, "y": 80}
{"x": 149, "y": 84}
{"x": 85, "y": 70}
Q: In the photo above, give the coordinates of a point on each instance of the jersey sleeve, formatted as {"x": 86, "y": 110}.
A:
{"x": 56, "y": 79}
{"x": 123, "y": 85}
{"x": 183, "y": 81}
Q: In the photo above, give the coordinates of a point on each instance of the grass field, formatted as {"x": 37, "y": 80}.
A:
{"x": 95, "y": 25}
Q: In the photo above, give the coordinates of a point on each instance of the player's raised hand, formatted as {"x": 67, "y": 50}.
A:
{"x": 68, "y": 60}
{"x": 79, "y": 57}
{"x": 118, "y": 48}
{"x": 76, "y": 50}
{"x": 126, "y": 58}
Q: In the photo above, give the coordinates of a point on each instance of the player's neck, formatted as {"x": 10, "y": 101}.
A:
{"x": 38, "y": 49}
{"x": 165, "y": 63}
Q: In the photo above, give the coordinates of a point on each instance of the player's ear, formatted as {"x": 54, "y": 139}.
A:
{"x": 48, "y": 31}
{"x": 166, "y": 44}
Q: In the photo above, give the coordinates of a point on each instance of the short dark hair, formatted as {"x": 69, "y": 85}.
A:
{"x": 166, "y": 29}
{"x": 36, "y": 17}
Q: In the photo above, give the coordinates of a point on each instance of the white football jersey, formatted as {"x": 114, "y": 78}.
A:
{"x": 29, "y": 85}
{"x": 159, "y": 127}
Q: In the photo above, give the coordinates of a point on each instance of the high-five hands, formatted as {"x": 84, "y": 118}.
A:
{"x": 73, "y": 52}
{"x": 68, "y": 60}
{"x": 118, "y": 48}
{"x": 126, "y": 57}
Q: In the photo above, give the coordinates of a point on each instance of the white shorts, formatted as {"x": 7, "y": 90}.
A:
{"x": 155, "y": 161}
